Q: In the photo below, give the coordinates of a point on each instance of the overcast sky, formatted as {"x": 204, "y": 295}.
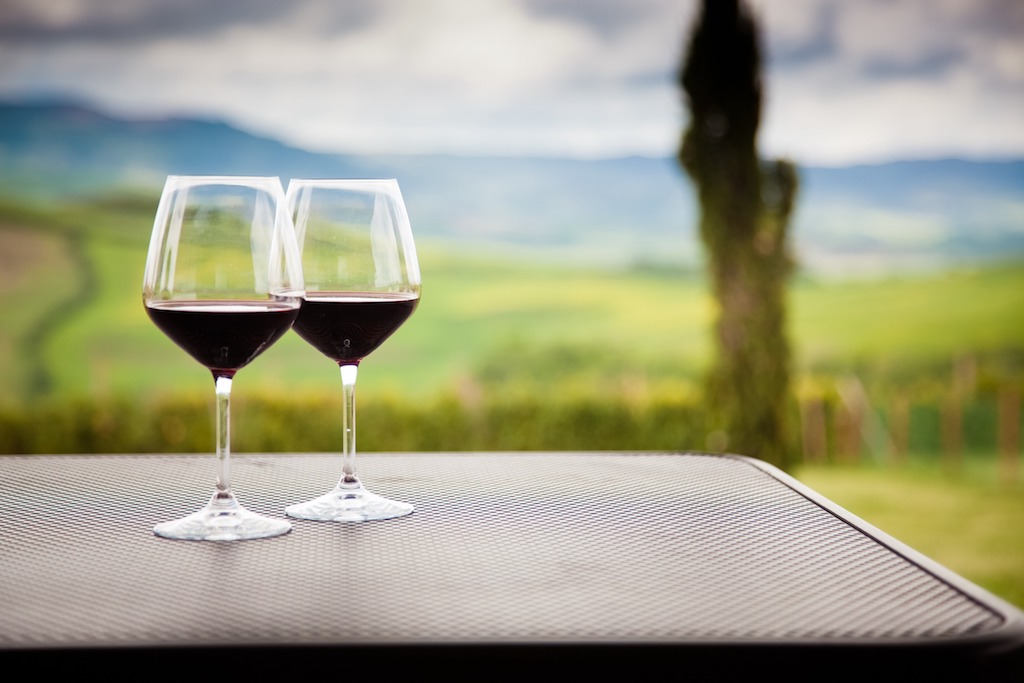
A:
{"x": 847, "y": 81}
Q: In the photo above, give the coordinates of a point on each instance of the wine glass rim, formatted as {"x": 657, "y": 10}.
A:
{"x": 178, "y": 179}
{"x": 341, "y": 181}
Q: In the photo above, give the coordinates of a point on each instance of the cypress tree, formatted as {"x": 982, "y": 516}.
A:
{"x": 745, "y": 206}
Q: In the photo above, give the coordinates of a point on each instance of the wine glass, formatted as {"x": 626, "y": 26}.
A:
{"x": 362, "y": 282}
{"x": 223, "y": 280}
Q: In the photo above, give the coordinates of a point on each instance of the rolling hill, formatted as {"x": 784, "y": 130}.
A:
{"x": 617, "y": 211}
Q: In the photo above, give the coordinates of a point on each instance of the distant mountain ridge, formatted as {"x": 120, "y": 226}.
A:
{"x": 624, "y": 210}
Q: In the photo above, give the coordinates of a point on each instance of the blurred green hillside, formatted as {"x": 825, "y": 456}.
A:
{"x": 72, "y": 323}
{"x": 505, "y": 354}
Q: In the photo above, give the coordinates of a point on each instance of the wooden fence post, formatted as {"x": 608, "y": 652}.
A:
{"x": 1009, "y": 434}
{"x": 812, "y": 429}
{"x": 862, "y": 427}
{"x": 849, "y": 425}
{"x": 899, "y": 428}
{"x": 952, "y": 432}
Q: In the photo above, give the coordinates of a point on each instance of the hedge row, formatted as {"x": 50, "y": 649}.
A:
{"x": 184, "y": 424}
{"x": 496, "y": 421}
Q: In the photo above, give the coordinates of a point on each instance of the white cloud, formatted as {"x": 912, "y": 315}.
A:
{"x": 846, "y": 81}
{"x": 915, "y": 78}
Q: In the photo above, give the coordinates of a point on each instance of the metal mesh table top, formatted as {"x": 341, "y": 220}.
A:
{"x": 526, "y": 547}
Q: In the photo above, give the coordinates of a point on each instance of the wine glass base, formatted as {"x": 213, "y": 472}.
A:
{"x": 349, "y": 503}
{"x": 222, "y": 520}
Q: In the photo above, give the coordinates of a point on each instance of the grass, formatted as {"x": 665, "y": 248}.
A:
{"x": 925, "y": 316}
{"x": 34, "y": 280}
{"x": 968, "y": 523}
{"x": 487, "y": 316}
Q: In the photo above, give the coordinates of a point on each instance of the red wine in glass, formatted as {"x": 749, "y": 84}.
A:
{"x": 224, "y": 336}
{"x": 362, "y": 282}
{"x": 223, "y": 281}
{"x": 347, "y": 326}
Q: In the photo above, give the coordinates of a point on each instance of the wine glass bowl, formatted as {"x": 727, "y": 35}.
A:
{"x": 362, "y": 282}
{"x": 223, "y": 281}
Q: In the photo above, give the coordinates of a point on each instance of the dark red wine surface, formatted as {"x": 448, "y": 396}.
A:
{"x": 223, "y": 335}
{"x": 347, "y": 326}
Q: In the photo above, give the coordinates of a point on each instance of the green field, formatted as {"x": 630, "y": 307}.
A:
{"x": 968, "y": 524}
{"x": 495, "y": 340}
{"x": 72, "y": 322}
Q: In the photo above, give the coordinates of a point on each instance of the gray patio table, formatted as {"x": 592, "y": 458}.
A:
{"x": 512, "y": 565}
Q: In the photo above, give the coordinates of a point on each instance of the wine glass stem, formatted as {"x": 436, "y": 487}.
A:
{"x": 348, "y": 423}
{"x": 223, "y": 434}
